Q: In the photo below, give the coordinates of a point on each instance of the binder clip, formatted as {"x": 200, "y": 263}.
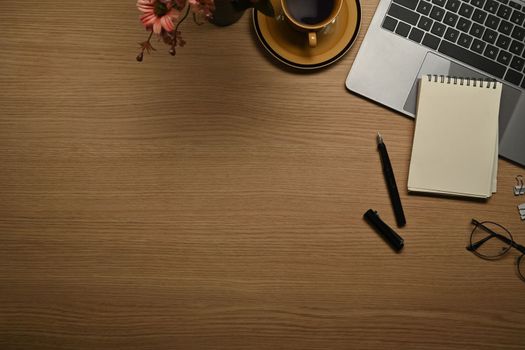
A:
{"x": 521, "y": 209}
{"x": 519, "y": 189}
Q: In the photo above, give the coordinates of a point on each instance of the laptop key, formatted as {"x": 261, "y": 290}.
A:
{"x": 490, "y": 36}
{"x": 438, "y": 29}
{"x": 503, "y": 41}
{"x": 416, "y": 35}
{"x": 464, "y": 40}
{"x": 515, "y": 5}
{"x": 451, "y": 19}
{"x": 411, "y": 4}
{"x": 513, "y": 77}
{"x": 403, "y": 14}
{"x": 439, "y": 2}
{"x": 491, "y": 51}
{"x": 517, "y": 18}
{"x": 516, "y": 47}
{"x": 504, "y": 57}
{"x": 464, "y": 24}
{"x": 518, "y": 33}
{"x": 402, "y": 29}
{"x": 453, "y": 5}
{"x": 517, "y": 63}
{"x": 505, "y": 27}
{"x": 504, "y": 11}
{"x": 452, "y": 34}
{"x": 478, "y": 3}
{"x": 431, "y": 41}
{"x": 425, "y": 23}
{"x": 424, "y": 7}
{"x": 471, "y": 58}
{"x": 479, "y": 16}
{"x": 504, "y": 1}
{"x": 478, "y": 46}
{"x": 492, "y": 22}
{"x": 437, "y": 13}
{"x": 466, "y": 10}
{"x": 389, "y": 23}
{"x": 491, "y": 6}
{"x": 476, "y": 30}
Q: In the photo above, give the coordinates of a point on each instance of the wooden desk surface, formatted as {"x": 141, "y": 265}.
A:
{"x": 214, "y": 201}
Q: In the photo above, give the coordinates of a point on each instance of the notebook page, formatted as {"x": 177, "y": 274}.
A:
{"x": 494, "y": 180}
{"x": 455, "y": 141}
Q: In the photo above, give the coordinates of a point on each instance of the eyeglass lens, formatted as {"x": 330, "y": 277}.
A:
{"x": 490, "y": 240}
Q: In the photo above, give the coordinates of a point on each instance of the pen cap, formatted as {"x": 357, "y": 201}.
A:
{"x": 384, "y": 230}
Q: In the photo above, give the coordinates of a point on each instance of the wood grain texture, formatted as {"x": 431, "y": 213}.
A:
{"x": 214, "y": 200}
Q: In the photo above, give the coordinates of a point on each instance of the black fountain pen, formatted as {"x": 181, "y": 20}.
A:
{"x": 391, "y": 182}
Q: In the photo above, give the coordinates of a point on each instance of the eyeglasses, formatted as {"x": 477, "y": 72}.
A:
{"x": 491, "y": 241}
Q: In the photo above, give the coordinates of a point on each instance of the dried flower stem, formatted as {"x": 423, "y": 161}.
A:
{"x": 172, "y": 51}
{"x": 183, "y": 18}
{"x": 149, "y": 38}
{"x": 145, "y": 45}
{"x": 159, "y": 17}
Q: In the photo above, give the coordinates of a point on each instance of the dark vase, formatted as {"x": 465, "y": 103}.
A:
{"x": 225, "y": 13}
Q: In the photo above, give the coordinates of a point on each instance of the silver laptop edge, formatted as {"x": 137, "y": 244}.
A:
{"x": 387, "y": 67}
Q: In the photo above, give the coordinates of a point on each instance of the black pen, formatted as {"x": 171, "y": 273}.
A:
{"x": 391, "y": 182}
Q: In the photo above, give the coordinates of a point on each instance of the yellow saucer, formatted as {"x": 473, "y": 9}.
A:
{"x": 291, "y": 47}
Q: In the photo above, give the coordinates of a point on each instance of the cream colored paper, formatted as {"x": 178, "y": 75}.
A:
{"x": 455, "y": 150}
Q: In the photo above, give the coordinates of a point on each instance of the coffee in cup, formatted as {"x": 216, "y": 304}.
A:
{"x": 311, "y": 16}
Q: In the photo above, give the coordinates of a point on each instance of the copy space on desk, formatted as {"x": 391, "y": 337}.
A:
{"x": 455, "y": 149}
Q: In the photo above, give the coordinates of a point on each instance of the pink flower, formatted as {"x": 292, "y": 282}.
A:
{"x": 157, "y": 14}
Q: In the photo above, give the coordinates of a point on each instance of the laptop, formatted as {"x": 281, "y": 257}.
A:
{"x": 464, "y": 38}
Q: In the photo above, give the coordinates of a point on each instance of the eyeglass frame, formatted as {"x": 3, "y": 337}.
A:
{"x": 472, "y": 247}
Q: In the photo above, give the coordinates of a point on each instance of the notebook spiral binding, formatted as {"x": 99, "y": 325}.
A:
{"x": 446, "y": 79}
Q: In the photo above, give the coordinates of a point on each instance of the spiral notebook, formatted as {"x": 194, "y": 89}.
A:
{"x": 455, "y": 150}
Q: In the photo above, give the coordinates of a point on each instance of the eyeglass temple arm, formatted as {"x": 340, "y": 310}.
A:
{"x": 473, "y": 246}
{"x": 519, "y": 247}
{"x": 509, "y": 242}
{"x": 478, "y": 244}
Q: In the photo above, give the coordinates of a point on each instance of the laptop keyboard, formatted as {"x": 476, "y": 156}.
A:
{"x": 485, "y": 34}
